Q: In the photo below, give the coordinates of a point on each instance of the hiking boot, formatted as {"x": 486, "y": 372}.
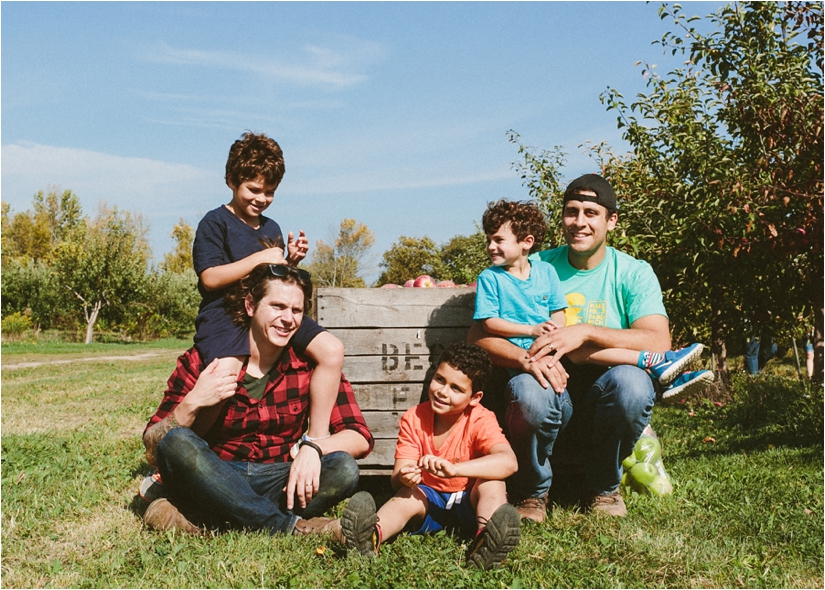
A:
{"x": 688, "y": 383}
{"x": 612, "y": 504}
{"x": 163, "y": 516}
{"x": 498, "y": 538}
{"x": 534, "y": 508}
{"x": 151, "y": 488}
{"x": 359, "y": 524}
{"x": 315, "y": 526}
{"x": 674, "y": 363}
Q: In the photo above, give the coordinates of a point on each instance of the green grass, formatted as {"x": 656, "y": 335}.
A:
{"x": 747, "y": 510}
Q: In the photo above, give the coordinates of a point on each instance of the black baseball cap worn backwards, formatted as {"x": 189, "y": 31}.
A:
{"x": 594, "y": 183}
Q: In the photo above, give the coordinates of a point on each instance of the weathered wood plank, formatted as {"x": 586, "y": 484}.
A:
{"x": 387, "y": 396}
{"x": 367, "y": 341}
{"x": 399, "y": 368}
{"x": 380, "y": 308}
{"x": 383, "y": 424}
{"x": 382, "y": 455}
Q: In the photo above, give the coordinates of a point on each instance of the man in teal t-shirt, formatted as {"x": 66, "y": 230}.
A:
{"x": 614, "y": 301}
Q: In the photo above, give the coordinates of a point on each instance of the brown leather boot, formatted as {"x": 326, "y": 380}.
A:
{"x": 534, "y": 508}
{"x": 163, "y": 516}
{"x": 612, "y": 504}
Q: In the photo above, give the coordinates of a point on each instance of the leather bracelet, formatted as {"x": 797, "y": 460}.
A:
{"x": 313, "y": 446}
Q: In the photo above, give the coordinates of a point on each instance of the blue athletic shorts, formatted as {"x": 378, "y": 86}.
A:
{"x": 448, "y": 510}
{"x": 809, "y": 346}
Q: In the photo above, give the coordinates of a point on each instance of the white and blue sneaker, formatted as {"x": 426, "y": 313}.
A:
{"x": 674, "y": 363}
{"x": 688, "y": 383}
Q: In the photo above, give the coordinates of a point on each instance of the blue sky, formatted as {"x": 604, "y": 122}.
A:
{"x": 394, "y": 114}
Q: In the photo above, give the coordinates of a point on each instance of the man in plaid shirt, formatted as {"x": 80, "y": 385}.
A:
{"x": 233, "y": 452}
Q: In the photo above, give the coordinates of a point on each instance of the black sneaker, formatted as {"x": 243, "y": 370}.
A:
{"x": 497, "y": 539}
{"x": 358, "y": 525}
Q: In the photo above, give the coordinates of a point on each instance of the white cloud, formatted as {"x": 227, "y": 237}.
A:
{"x": 312, "y": 65}
{"x": 161, "y": 191}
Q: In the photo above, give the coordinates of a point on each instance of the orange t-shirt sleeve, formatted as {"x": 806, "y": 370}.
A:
{"x": 488, "y": 433}
{"x": 408, "y": 445}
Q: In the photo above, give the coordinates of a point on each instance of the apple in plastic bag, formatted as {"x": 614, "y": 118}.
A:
{"x": 647, "y": 449}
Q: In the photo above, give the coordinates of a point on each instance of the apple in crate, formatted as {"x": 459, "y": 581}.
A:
{"x": 442, "y": 284}
{"x": 424, "y": 281}
{"x": 390, "y": 286}
{"x": 409, "y": 283}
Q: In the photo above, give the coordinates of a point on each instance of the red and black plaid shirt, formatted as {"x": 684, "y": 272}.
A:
{"x": 262, "y": 430}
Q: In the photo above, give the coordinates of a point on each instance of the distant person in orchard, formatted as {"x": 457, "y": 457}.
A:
{"x": 451, "y": 460}
{"x": 251, "y": 465}
{"x": 231, "y": 241}
{"x": 597, "y": 365}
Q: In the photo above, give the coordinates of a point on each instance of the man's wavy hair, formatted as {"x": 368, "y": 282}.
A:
{"x": 471, "y": 360}
{"x": 525, "y": 218}
{"x": 255, "y": 155}
{"x": 254, "y": 285}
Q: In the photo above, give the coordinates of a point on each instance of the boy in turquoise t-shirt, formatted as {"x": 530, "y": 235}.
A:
{"x": 520, "y": 297}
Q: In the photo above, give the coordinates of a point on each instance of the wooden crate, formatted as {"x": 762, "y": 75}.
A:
{"x": 391, "y": 337}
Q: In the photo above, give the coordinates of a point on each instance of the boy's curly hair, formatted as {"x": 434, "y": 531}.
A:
{"x": 525, "y": 218}
{"x": 471, "y": 360}
{"x": 254, "y": 155}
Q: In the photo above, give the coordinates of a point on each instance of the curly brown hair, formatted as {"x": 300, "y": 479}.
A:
{"x": 471, "y": 360}
{"x": 525, "y": 218}
{"x": 252, "y": 156}
{"x": 254, "y": 285}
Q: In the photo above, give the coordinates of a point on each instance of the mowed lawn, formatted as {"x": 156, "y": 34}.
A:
{"x": 747, "y": 510}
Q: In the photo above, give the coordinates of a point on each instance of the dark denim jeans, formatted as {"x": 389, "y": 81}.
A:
{"x": 245, "y": 495}
{"x": 607, "y": 417}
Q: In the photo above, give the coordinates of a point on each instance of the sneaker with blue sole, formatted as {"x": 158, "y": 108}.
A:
{"x": 674, "y": 363}
{"x": 688, "y": 383}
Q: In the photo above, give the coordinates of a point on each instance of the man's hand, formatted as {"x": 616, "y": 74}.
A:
{"x": 547, "y": 374}
{"x": 438, "y": 466}
{"x": 296, "y": 248}
{"x": 410, "y": 476}
{"x": 556, "y": 343}
{"x": 304, "y": 477}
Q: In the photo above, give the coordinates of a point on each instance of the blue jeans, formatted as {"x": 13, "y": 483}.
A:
{"x": 606, "y": 418}
{"x": 245, "y": 495}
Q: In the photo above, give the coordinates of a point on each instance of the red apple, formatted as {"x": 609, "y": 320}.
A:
{"x": 390, "y": 286}
{"x": 424, "y": 281}
{"x": 473, "y": 284}
{"x": 409, "y": 283}
{"x": 442, "y": 284}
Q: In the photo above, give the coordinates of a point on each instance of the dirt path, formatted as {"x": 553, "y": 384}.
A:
{"x": 131, "y": 357}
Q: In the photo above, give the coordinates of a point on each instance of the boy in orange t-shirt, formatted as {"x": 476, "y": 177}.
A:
{"x": 451, "y": 460}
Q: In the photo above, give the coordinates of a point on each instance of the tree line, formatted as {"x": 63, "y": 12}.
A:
{"x": 722, "y": 192}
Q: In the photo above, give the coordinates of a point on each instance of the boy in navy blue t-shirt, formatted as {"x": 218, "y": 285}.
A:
{"x": 229, "y": 243}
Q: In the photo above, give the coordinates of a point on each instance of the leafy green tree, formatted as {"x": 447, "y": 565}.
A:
{"x": 32, "y": 287}
{"x": 464, "y": 257}
{"x": 167, "y": 306}
{"x": 723, "y": 188}
{"x": 35, "y": 234}
{"x": 180, "y": 259}
{"x": 409, "y": 258}
{"x": 722, "y": 192}
{"x": 338, "y": 264}
{"x": 107, "y": 268}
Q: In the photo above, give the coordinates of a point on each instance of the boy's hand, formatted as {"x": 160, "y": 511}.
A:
{"x": 438, "y": 466}
{"x": 213, "y": 386}
{"x": 274, "y": 255}
{"x": 296, "y": 249}
{"x": 410, "y": 475}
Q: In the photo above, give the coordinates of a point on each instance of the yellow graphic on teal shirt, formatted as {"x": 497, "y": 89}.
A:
{"x": 594, "y": 313}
